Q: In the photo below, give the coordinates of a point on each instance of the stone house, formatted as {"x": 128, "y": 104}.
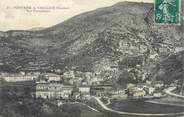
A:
{"x": 53, "y": 91}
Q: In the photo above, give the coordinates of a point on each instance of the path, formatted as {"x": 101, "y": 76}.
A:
{"x": 169, "y": 92}
{"x": 90, "y": 107}
{"x": 132, "y": 114}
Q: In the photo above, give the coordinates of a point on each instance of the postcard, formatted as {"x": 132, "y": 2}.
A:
{"x": 97, "y": 58}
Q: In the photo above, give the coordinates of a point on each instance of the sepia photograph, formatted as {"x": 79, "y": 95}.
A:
{"x": 95, "y": 58}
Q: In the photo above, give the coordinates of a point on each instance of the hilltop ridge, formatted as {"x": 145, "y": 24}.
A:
{"x": 84, "y": 42}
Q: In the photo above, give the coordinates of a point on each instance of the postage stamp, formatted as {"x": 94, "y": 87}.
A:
{"x": 167, "y": 12}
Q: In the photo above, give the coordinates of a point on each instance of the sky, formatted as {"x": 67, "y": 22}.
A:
{"x": 28, "y": 14}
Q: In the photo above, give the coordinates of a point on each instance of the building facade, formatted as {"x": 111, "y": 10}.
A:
{"x": 53, "y": 91}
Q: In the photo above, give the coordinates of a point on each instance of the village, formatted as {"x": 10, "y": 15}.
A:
{"x": 135, "y": 65}
{"x": 77, "y": 86}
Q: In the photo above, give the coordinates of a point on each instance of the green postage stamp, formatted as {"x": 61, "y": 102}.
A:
{"x": 167, "y": 12}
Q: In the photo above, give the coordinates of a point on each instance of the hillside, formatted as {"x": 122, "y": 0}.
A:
{"x": 86, "y": 41}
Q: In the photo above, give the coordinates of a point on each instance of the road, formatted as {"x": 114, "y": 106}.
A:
{"x": 169, "y": 92}
{"x": 132, "y": 114}
{"x": 90, "y": 107}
